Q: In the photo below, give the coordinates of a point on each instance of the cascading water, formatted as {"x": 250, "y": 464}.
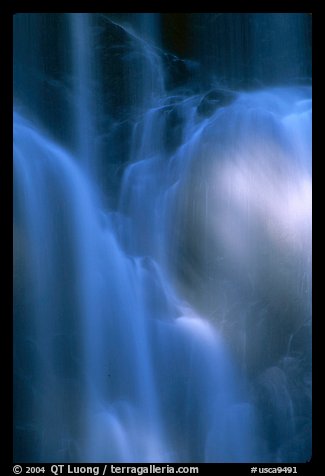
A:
{"x": 162, "y": 246}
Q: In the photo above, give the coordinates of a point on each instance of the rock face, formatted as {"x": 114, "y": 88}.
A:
{"x": 214, "y": 100}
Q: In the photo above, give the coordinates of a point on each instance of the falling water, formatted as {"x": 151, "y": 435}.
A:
{"x": 83, "y": 87}
{"x": 162, "y": 239}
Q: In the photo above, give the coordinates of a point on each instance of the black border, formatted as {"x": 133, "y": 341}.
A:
{"x": 7, "y": 10}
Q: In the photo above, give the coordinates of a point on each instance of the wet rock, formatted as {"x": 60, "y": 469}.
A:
{"x": 214, "y": 100}
{"x": 179, "y": 72}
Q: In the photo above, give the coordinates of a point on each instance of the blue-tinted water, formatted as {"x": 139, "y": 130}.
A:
{"x": 162, "y": 250}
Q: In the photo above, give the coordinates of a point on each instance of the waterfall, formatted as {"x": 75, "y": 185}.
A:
{"x": 162, "y": 241}
{"x": 84, "y": 72}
